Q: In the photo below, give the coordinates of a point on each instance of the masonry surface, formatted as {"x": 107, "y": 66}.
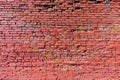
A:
{"x": 59, "y": 40}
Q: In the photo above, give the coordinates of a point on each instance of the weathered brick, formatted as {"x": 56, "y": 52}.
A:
{"x": 59, "y": 40}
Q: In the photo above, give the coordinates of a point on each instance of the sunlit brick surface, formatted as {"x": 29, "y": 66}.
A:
{"x": 59, "y": 40}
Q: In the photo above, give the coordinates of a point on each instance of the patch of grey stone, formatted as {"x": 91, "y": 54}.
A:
{"x": 23, "y": 5}
{"x": 10, "y": 15}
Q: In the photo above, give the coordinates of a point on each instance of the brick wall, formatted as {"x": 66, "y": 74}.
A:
{"x": 59, "y": 40}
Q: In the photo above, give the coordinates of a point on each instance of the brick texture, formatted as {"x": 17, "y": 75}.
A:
{"x": 59, "y": 40}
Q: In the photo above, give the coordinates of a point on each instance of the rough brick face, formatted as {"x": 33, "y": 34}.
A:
{"x": 59, "y": 40}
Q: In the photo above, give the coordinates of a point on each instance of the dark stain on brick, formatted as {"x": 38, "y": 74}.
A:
{"x": 23, "y": 5}
{"x": 48, "y": 6}
{"x": 98, "y": 2}
{"x": 37, "y": 5}
{"x": 52, "y": 0}
{"x": 78, "y": 8}
{"x": 76, "y": 1}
